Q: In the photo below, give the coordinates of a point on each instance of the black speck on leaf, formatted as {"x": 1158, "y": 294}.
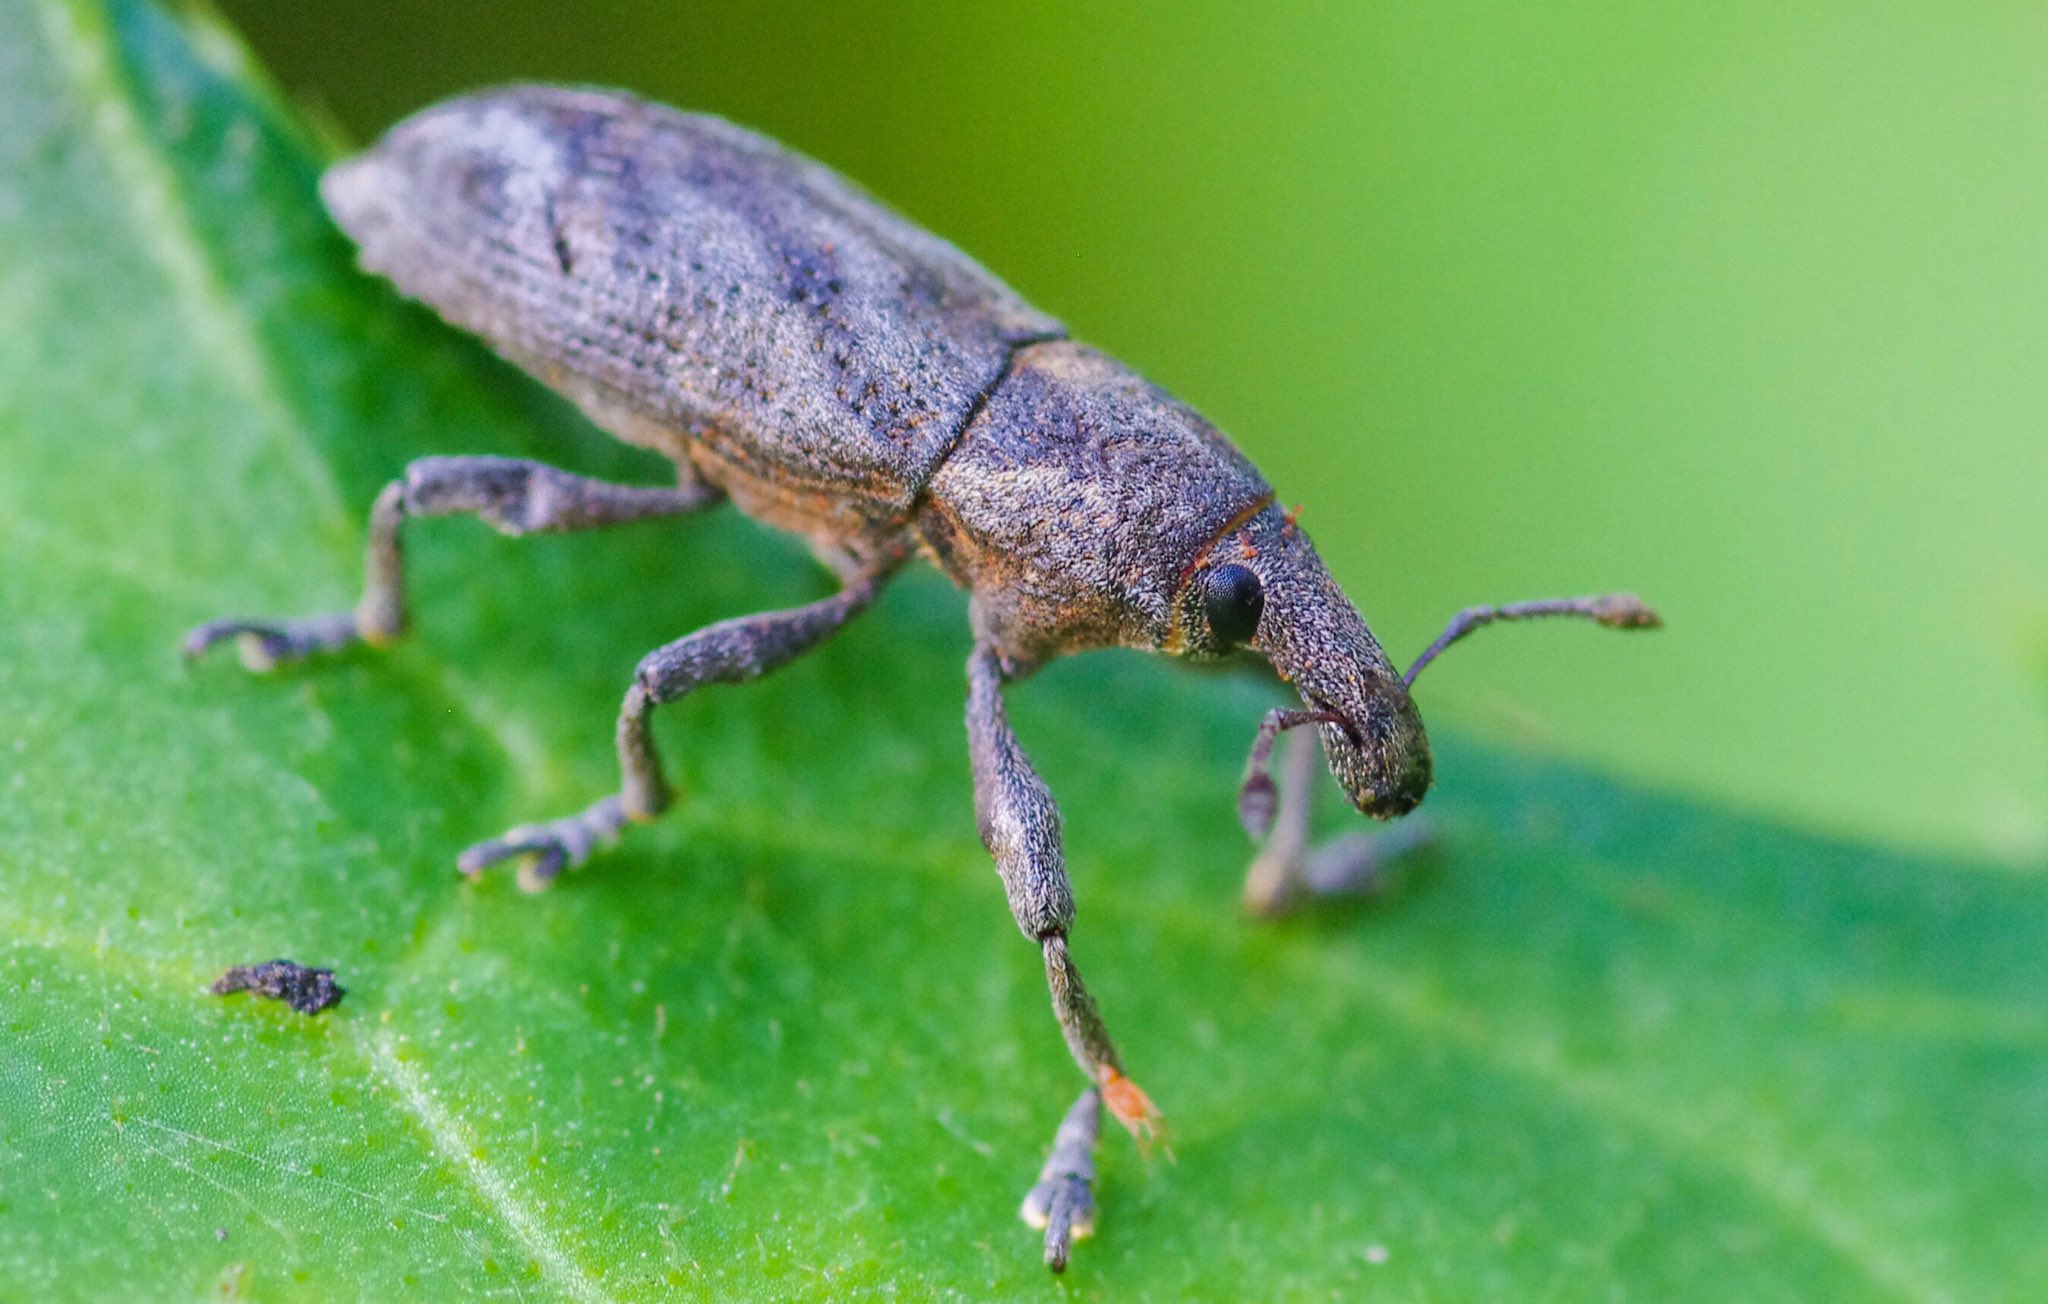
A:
{"x": 302, "y": 987}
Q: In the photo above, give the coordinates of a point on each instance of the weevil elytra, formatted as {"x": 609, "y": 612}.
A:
{"x": 831, "y": 369}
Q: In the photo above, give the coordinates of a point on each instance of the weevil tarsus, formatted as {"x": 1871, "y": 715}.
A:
{"x": 544, "y": 850}
{"x": 1062, "y": 1202}
{"x": 1289, "y": 869}
{"x": 512, "y": 495}
{"x": 1257, "y": 798}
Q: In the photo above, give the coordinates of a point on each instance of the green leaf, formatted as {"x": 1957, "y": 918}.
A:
{"x": 787, "y": 1042}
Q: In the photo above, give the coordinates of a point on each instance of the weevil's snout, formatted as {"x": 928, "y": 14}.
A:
{"x": 1395, "y": 784}
{"x": 1376, "y": 747}
{"x": 1370, "y": 729}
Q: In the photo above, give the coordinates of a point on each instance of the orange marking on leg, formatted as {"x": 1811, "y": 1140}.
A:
{"x": 1131, "y": 1106}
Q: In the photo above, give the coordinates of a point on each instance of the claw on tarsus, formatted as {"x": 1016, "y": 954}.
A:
{"x": 265, "y": 645}
{"x": 547, "y": 849}
{"x": 1062, "y": 1204}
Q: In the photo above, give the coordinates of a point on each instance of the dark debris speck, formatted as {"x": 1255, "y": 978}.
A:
{"x": 305, "y": 989}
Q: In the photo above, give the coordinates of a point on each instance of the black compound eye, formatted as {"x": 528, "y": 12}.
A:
{"x": 1232, "y": 600}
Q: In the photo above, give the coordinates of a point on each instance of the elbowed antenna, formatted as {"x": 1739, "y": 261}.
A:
{"x": 1614, "y": 610}
{"x": 1257, "y": 798}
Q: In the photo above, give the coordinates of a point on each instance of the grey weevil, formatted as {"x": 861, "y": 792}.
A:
{"x": 833, "y": 370}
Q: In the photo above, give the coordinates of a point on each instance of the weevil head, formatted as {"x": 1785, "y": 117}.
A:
{"x": 1261, "y": 587}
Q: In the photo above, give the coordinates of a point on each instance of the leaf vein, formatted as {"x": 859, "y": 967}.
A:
{"x": 453, "y": 1143}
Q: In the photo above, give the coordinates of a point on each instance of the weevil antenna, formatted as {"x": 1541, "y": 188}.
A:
{"x": 1614, "y": 610}
{"x": 1257, "y": 798}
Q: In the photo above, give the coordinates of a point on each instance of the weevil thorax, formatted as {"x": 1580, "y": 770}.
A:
{"x": 1086, "y": 507}
{"x": 1073, "y": 502}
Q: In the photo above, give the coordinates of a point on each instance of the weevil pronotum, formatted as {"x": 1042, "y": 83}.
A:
{"x": 835, "y": 371}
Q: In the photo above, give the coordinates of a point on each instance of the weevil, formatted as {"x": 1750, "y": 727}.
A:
{"x": 801, "y": 351}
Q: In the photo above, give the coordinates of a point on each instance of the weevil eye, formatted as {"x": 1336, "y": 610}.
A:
{"x": 1232, "y": 600}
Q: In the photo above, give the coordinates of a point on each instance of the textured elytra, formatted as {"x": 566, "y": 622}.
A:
{"x": 696, "y": 286}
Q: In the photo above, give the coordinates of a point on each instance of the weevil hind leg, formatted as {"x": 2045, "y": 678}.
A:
{"x": 1062, "y": 1202}
{"x": 1289, "y": 869}
{"x": 729, "y": 652}
{"x": 512, "y": 495}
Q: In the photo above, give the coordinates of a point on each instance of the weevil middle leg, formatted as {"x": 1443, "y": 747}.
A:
{"x": 729, "y": 652}
{"x": 512, "y": 495}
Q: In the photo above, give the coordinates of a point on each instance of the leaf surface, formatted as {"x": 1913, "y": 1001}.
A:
{"x": 787, "y": 1042}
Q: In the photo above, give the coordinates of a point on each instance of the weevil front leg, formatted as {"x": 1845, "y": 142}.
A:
{"x": 512, "y": 495}
{"x": 1020, "y": 826}
{"x": 1289, "y": 868}
{"x": 1277, "y": 816}
{"x": 730, "y": 652}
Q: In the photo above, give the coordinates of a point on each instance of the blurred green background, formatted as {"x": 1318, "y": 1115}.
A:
{"x": 1740, "y": 306}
